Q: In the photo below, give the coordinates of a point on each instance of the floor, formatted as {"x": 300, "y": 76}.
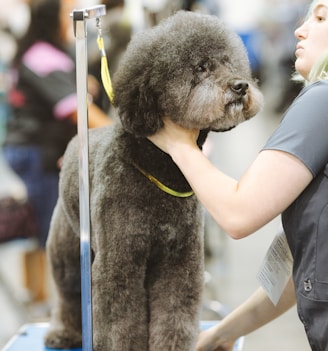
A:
{"x": 232, "y": 270}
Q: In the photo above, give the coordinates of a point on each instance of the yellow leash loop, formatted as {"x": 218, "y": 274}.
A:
{"x": 105, "y": 76}
{"x": 162, "y": 186}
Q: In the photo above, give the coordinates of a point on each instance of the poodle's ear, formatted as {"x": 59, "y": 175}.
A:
{"x": 138, "y": 106}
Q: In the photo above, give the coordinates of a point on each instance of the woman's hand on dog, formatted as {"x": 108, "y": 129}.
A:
{"x": 173, "y": 137}
{"x": 212, "y": 340}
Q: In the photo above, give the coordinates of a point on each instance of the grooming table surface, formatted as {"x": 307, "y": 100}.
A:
{"x": 30, "y": 338}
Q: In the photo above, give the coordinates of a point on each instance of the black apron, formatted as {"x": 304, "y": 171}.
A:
{"x": 306, "y": 226}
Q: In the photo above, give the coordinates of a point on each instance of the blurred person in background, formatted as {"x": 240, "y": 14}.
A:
{"x": 14, "y": 18}
{"x": 288, "y": 177}
{"x": 43, "y": 101}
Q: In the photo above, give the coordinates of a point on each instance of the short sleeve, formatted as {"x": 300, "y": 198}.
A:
{"x": 303, "y": 131}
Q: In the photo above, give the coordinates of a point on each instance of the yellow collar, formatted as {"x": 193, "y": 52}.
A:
{"x": 162, "y": 186}
{"x": 109, "y": 90}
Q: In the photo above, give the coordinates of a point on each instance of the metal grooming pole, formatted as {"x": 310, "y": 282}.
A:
{"x": 80, "y": 18}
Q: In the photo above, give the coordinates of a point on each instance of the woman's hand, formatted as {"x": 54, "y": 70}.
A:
{"x": 172, "y": 137}
{"x": 212, "y": 340}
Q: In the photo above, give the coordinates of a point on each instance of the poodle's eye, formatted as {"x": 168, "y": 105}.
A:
{"x": 225, "y": 61}
{"x": 202, "y": 71}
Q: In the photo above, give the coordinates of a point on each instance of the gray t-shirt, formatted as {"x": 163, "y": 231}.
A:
{"x": 303, "y": 131}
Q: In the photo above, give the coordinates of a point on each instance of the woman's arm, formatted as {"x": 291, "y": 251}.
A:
{"x": 254, "y": 313}
{"x": 96, "y": 117}
{"x": 269, "y": 186}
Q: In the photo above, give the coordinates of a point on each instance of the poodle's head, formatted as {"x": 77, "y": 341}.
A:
{"x": 190, "y": 68}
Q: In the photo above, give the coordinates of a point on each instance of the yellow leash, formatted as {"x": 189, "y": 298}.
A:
{"x": 162, "y": 186}
{"x": 105, "y": 76}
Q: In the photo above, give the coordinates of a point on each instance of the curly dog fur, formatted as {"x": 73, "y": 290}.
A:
{"x": 147, "y": 245}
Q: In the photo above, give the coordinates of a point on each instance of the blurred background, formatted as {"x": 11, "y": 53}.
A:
{"x": 267, "y": 29}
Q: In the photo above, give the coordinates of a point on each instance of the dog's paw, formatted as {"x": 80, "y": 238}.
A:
{"x": 62, "y": 339}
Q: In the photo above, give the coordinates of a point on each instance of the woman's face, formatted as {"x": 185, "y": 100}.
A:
{"x": 313, "y": 38}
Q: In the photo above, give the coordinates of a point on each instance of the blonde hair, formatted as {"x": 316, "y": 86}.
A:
{"x": 320, "y": 68}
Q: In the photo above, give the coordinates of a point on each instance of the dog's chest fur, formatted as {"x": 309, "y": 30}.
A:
{"x": 121, "y": 196}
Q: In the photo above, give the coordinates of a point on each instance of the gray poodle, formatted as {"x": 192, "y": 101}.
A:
{"x": 147, "y": 226}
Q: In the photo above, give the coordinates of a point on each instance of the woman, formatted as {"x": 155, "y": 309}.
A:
{"x": 288, "y": 177}
{"x": 44, "y": 105}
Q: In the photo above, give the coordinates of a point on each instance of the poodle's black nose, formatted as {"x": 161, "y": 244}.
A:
{"x": 239, "y": 87}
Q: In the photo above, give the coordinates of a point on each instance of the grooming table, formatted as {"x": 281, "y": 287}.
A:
{"x": 30, "y": 338}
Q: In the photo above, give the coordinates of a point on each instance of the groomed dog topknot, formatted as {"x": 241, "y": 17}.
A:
{"x": 189, "y": 68}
